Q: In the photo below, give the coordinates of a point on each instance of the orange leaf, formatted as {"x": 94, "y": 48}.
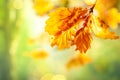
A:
{"x": 83, "y": 40}
{"x": 80, "y": 59}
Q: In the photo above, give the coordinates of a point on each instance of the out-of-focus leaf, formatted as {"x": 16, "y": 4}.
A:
{"x": 90, "y": 2}
{"x": 43, "y": 6}
{"x": 37, "y": 54}
{"x": 113, "y": 17}
{"x": 79, "y": 59}
{"x": 107, "y": 11}
{"x": 100, "y": 29}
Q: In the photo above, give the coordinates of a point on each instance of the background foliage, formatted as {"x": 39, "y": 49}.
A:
{"x": 22, "y": 31}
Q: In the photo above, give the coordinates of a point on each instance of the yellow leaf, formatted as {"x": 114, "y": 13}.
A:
{"x": 37, "y": 54}
{"x": 40, "y": 54}
{"x": 108, "y": 13}
{"x": 64, "y": 39}
{"x": 103, "y": 5}
{"x": 113, "y": 17}
{"x": 89, "y": 2}
{"x": 100, "y": 29}
{"x": 43, "y": 6}
{"x": 56, "y": 20}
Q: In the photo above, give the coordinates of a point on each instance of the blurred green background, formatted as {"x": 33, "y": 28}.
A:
{"x": 19, "y": 22}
